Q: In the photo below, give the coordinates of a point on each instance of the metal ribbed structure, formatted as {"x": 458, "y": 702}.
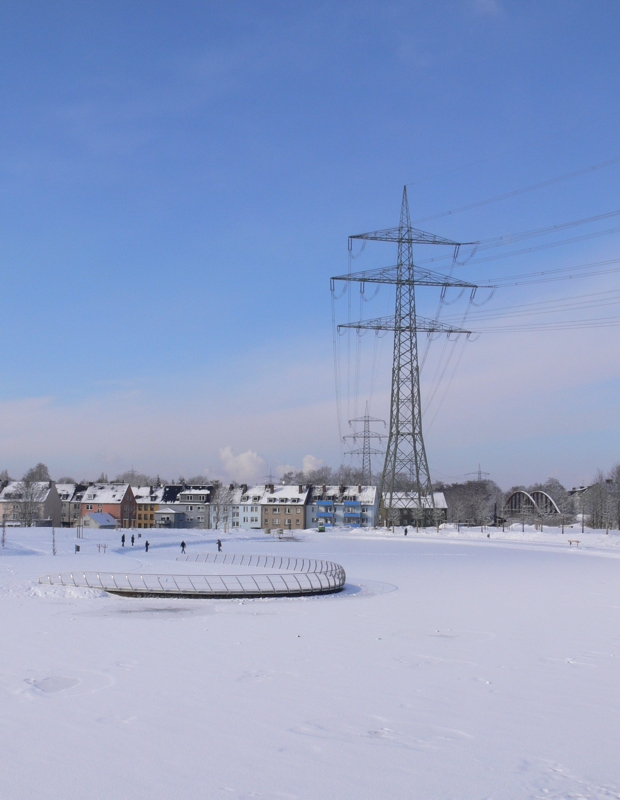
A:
{"x": 293, "y": 576}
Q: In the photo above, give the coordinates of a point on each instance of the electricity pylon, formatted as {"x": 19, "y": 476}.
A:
{"x": 365, "y": 451}
{"x": 479, "y": 474}
{"x": 406, "y": 464}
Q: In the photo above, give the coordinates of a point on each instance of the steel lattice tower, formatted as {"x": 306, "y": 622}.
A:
{"x": 366, "y": 451}
{"x": 406, "y": 464}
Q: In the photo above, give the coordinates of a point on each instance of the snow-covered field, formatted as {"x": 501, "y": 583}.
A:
{"x": 453, "y": 666}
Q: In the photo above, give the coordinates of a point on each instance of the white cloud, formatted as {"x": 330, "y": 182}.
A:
{"x": 248, "y": 466}
{"x": 486, "y": 7}
{"x": 311, "y": 462}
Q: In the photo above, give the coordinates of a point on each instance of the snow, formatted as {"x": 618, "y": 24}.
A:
{"x": 453, "y": 666}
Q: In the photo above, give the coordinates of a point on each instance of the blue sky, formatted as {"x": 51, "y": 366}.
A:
{"x": 177, "y": 184}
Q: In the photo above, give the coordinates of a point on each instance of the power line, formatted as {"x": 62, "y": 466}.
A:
{"x": 515, "y": 192}
{"x": 512, "y": 150}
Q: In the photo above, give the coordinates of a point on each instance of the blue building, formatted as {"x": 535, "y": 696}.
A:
{"x": 337, "y": 506}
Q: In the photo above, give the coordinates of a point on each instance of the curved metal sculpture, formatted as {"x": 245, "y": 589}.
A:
{"x": 295, "y": 576}
{"x": 538, "y": 503}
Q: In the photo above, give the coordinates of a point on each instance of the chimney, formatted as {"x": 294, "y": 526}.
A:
{"x": 271, "y": 488}
{"x": 300, "y": 489}
{"x": 324, "y": 488}
{"x": 244, "y": 488}
{"x": 359, "y": 489}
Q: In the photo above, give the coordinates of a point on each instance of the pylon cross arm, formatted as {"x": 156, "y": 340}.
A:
{"x": 390, "y": 324}
{"x": 406, "y": 236}
{"x": 394, "y": 275}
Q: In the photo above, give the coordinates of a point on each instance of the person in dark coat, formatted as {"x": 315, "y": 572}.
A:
{"x": 219, "y": 545}
{"x": 182, "y": 547}
{"x": 123, "y": 540}
{"x": 146, "y": 545}
{"x": 133, "y": 539}
{"x": 405, "y": 531}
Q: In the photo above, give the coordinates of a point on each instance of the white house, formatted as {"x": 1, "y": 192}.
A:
{"x": 31, "y": 503}
{"x": 245, "y": 507}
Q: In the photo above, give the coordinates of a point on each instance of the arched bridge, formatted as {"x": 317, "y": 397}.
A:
{"x": 537, "y": 502}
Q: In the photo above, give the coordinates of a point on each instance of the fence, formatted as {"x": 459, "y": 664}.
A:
{"x": 298, "y": 576}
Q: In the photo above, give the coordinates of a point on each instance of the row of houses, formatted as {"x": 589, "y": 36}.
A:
{"x": 245, "y": 507}
{"x": 264, "y": 506}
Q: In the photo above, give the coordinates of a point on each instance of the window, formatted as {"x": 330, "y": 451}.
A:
{"x": 89, "y": 507}
{"x": 139, "y": 517}
{"x": 245, "y": 519}
{"x": 298, "y": 522}
{"x": 298, "y": 510}
{"x": 288, "y": 511}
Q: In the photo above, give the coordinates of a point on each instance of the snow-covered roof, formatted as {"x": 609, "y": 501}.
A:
{"x": 192, "y": 493}
{"x": 102, "y": 519}
{"x": 65, "y": 490}
{"x": 366, "y": 495}
{"x": 169, "y": 510}
{"x": 14, "y": 491}
{"x": 410, "y": 500}
{"x": 285, "y": 494}
{"x": 148, "y": 494}
{"x": 253, "y": 494}
{"x": 105, "y": 493}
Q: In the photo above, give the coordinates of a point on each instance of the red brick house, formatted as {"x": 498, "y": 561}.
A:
{"x": 115, "y": 499}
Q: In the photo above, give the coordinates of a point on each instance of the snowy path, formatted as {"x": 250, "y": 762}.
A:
{"x": 448, "y": 669}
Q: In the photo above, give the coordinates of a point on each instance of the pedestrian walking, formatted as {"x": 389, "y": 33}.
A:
{"x": 123, "y": 540}
{"x": 219, "y": 545}
{"x": 182, "y": 547}
{"x": 146, "y": 545}
{"x": 133, "y": 539}
{"x": 405, "y": 531}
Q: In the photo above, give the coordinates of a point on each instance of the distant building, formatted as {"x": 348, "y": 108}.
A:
{"x": 194, "y": 501}
{"x": 97, "y": 520}
{"x": 407, "y": 511}
{"x": 284, "y": 507}
{"x": 170, "y": 517}
{"x": 115, "y": 499}
{"x": 71, "y": 498}
{"x": 30, "y": 503}
{"x": 149, "y": 499}
{"x": 245, "y": 507}
{"x": 350, "y": 506}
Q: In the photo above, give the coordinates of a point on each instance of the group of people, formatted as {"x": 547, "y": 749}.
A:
{"x": 147, "y": 545}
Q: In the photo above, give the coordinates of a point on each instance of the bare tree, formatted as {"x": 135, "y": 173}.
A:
{"x": 220, "y": 502}
{"x": 27, "y": 497}
{"x": 197, "y": 480}
{"x": 597, "y": 502}
{"x": 38, "y": 473}
{"x": 473, "y": 501}
{"x": 134, "y": 479}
